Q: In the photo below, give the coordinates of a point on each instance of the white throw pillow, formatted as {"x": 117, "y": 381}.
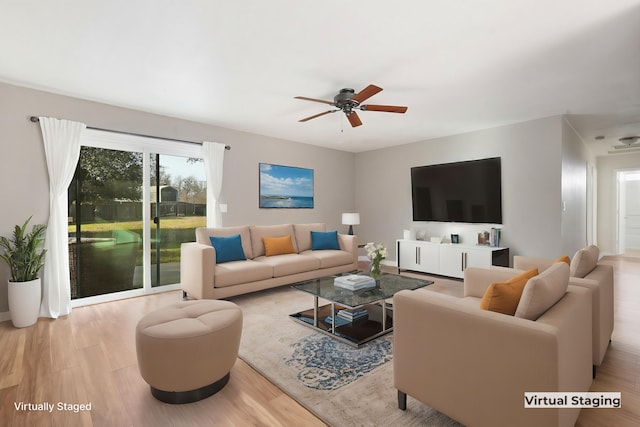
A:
{"x": 543, "y": 291}
{"x": 584, "y": 261}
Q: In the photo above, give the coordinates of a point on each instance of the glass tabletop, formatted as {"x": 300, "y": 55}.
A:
{"x": 324, "y": 287}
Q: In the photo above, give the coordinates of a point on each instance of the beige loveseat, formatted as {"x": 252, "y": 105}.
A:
{"x": 586, "y": 271}
{"x": 475, "y": 365}
{"x": 202, "y": 277}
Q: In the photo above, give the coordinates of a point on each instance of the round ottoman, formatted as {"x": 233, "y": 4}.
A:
{"x": 186, "y": 350}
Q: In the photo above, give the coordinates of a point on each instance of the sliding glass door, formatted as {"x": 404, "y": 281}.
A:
{"x": 105, "y": 222}
{"x": 132, "y": 202}
{"x": 178, "y": 206}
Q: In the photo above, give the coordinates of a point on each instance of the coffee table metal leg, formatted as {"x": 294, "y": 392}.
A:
{"x": 315, "y": 311}
{"x": 333, "y": 318}
{"x": 384, "y": 315}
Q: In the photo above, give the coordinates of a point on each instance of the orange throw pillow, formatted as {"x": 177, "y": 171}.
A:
{"x": 563, "y": 259}
{"x": 503, "y": 297}
{"x": 278, "y": 245}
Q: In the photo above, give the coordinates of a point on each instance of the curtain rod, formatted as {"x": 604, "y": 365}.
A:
{"x": 36, "y": 119}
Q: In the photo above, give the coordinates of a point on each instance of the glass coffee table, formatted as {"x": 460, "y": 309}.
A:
{"x": 358, "y": 316}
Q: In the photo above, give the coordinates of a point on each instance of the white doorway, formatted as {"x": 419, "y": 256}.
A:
{"x": 628, "y": 218}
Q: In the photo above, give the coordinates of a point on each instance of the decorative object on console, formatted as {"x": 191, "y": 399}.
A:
{"x": 455, "y": 238}
{"x": 350, "y": 219}
{"x": 376, "y": 253}
{"x": 495, "y": 236}
{"x": 483, "y": 238}
{"x": 285, "y": 186}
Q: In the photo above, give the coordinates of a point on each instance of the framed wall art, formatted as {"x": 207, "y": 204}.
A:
{"x": 285, "y": 187}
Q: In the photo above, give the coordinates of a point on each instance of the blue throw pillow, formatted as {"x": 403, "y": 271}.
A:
{"x": 328, "y": 240}
{"x": 228, "y": 248}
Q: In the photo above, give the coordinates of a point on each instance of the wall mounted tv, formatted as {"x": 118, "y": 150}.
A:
{"x": 468, "y": 191}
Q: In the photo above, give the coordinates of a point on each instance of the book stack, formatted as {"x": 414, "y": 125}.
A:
{"x": 339, "y": 321}
{"x": 353, "y": 314}
{"x": 354, "y": 282}
{"x": 494, "y": 237}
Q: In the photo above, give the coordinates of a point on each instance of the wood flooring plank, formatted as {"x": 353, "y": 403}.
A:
{"x": 73, "y": 407}
{"x": 101, "y": 387}
{"x": 11, "y": 361}
{"x": 63, "y": 351}
{"x": 7, "y": 409}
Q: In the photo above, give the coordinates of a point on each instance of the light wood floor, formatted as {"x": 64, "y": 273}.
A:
{"x": 89, "y": 357}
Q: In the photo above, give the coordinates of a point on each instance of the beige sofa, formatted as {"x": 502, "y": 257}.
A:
{"x": 201, "y": 277}
{"x": 586, "y": 271}
{"x": 475, "y": 365}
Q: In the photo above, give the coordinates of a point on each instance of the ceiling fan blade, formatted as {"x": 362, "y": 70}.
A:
{"x": 366, "y": 93}
{"x": 317, "y": 115}
{"x": 314, "y": 100}
{"x": 385, "y": 108}
{"x": 354, "y": 119}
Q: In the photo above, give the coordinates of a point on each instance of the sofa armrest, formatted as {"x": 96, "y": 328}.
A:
{"x": 349, "y": 243}
{"x": 475, "y": 365}
{"x": 527, "y": 263}
{"x": 197, "y": 265}
{"x": 600, "y": 281}
{"x": 477, "y": 280}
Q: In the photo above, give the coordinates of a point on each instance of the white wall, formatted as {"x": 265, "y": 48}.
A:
{"x": 23, "y": 170}
{"x": 607, "y": 203}
{"x": 575, "y": 163}
{"x": 531, "y": 155}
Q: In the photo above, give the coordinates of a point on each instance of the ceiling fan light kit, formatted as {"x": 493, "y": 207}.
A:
{"x": 348, "y": 101}
{"x": 627, "y": 144}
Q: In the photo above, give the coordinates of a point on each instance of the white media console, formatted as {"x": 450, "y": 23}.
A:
{"x": 447, "y": 259}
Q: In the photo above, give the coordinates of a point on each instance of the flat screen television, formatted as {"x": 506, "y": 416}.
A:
{"x": 469, "y": 191}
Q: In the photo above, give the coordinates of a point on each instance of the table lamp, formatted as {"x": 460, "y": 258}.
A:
{"x": 350, "y": 219}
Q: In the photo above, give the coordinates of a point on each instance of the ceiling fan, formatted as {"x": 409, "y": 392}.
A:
{"x": 348, "y": 102}
{"x": 627, "y": 142}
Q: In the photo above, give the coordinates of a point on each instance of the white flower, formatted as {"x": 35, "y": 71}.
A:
{"x": 375, "y": 251}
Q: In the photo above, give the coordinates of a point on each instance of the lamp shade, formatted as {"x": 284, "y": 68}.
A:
{"x": 350, "y": 218}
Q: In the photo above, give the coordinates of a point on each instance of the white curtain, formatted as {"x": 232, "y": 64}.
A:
{"x": 213, "y": 155}
{"x": 62, "y": 150}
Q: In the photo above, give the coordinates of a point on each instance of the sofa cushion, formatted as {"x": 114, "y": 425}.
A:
{"x": 227, "y": 248}
{"x": 543, "y": 291}
{"x": 503, "y": 297}
{"x": 563, "y": 259}
{"x": 330, "y": 258}
{"x": 203, "y": 234}
{"x": 584, "y": 261}
{"x": 303, "y": 234}
{"x": 324, "y": 241}
{"x": 259, "y": 231}
{"x": 278, "y": 245}
{"x": 236, "y": 272}
{"x": 285, "y": 265}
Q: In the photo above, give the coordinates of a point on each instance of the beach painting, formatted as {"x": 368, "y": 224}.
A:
{"x": 285, "y": 186}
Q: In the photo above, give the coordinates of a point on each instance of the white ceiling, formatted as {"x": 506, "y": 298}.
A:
{"x": 459, "y": 65}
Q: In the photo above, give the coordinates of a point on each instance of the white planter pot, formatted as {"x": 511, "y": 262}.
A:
{"x": 24, "y": 302}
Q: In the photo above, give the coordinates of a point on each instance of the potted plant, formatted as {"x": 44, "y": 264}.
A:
{"x": 25, "y": 257}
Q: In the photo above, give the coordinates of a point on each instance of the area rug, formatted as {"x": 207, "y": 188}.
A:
{"x": 341, "y": 385}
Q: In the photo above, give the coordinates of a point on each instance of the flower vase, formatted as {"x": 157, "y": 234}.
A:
{"x": 376, "y": 272}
